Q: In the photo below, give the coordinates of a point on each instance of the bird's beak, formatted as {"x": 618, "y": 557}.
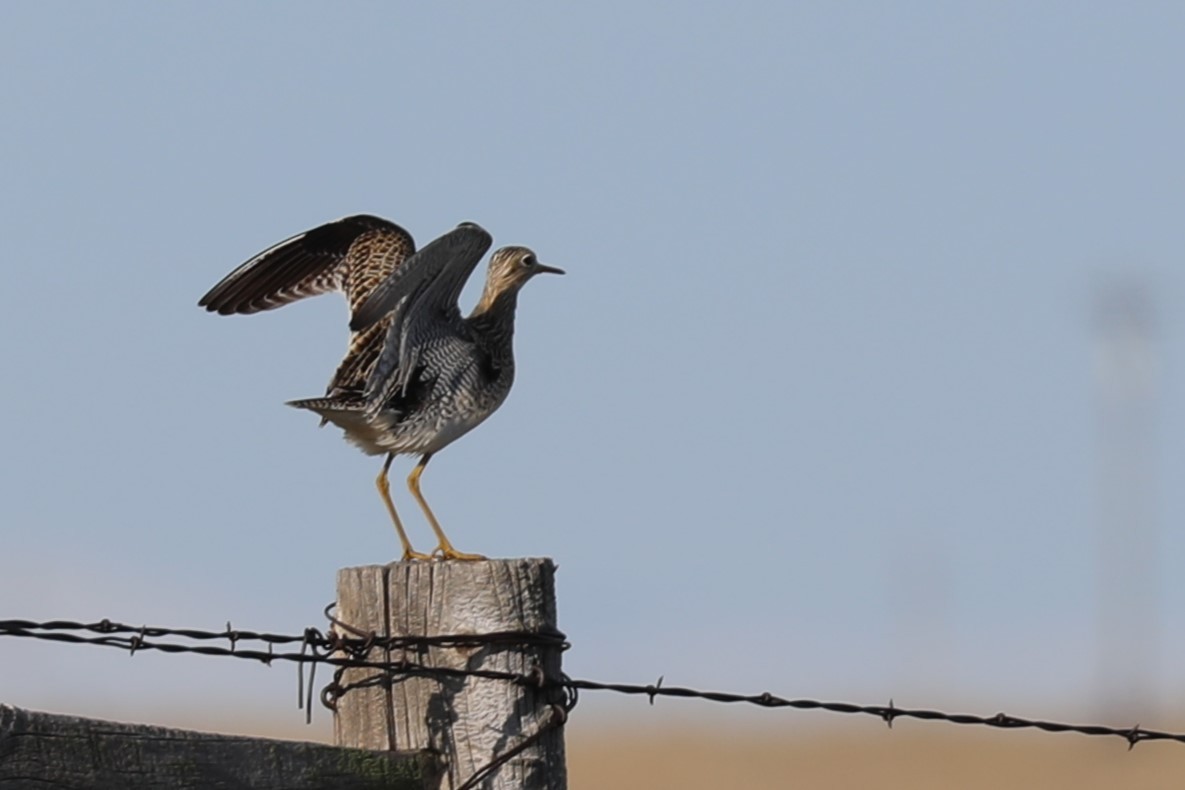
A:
{"x": 541, "y": 269}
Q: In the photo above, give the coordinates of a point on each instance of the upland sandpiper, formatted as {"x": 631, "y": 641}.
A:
{"x": 417, "y": 375}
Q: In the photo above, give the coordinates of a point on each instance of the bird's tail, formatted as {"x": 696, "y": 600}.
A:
{"x": 350, "y": 417}
{"x": 331, "y": 410}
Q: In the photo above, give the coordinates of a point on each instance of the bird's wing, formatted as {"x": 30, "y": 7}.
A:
{"x": 415, "y": 298}
{"x": 352, "y": 255}
{"x": 440, "y": 270}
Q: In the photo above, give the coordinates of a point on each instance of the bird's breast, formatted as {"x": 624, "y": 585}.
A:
{"x": 465, "y": 401}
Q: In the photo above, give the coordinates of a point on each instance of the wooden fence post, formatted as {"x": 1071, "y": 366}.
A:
{"x": 468, "y": 721}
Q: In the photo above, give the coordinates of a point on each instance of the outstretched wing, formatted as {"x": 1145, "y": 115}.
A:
{"x": 352, "y": 255}
{"x": 415, "y": 299}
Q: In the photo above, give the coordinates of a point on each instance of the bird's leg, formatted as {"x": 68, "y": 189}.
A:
{"x": 445, "y": 548}
{"x": 385, "y": 492}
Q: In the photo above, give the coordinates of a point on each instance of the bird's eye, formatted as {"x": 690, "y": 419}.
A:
{"x": 528, "y": 260}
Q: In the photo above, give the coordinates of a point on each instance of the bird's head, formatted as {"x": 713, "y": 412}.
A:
{"x": 511, "y": 267}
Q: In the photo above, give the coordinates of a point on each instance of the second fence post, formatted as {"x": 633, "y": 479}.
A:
{"x": 468, "y": 721}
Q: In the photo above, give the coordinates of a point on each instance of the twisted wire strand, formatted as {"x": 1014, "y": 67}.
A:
{"x": 345, "y": 647}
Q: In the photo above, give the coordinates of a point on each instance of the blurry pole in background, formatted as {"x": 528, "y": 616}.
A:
{"x": 1128, "y": 582}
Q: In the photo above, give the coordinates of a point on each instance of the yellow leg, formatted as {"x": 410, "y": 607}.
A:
{"x": 445, "y": 548}
{"x": 385, "y": 492}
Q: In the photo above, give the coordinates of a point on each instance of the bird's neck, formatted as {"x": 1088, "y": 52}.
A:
{"x": 493, "y": 320}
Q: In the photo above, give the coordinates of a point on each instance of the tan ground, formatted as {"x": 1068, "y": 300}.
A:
{"x": 918, "y": 757}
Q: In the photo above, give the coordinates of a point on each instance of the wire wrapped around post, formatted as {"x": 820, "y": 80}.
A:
{"x": 486, "y": 706}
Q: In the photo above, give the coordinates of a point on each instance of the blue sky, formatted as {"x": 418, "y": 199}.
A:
{"x": 814, "y": 410}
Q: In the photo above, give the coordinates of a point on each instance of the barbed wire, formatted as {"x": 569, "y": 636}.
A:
{"x": 345, "y": 647}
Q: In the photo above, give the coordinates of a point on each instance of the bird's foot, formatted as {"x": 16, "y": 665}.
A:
{"x": 409, "y": 554}
{"x": 447, "y": 552}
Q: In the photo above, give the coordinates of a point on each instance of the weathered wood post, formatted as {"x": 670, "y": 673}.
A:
{"x": 468, "y": 721}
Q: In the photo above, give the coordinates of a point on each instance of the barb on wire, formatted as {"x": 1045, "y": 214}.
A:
{"x": 346, "y": 647}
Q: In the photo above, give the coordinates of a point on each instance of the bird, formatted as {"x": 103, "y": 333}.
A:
{"x": 417, "y": 375}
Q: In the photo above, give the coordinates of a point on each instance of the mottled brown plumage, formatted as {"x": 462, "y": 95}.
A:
{"x": 352, "y": 255}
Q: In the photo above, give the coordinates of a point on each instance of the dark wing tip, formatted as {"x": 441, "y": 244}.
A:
{"x": 297, "y": 267}
{"x": 225, "y": 300}
{"x": 466, "y": 238}
{"x": 468, "y": 230}
{"x": 215, "y": 302}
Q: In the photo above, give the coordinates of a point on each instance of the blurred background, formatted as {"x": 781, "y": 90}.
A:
{"x": 862, "y": 382}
